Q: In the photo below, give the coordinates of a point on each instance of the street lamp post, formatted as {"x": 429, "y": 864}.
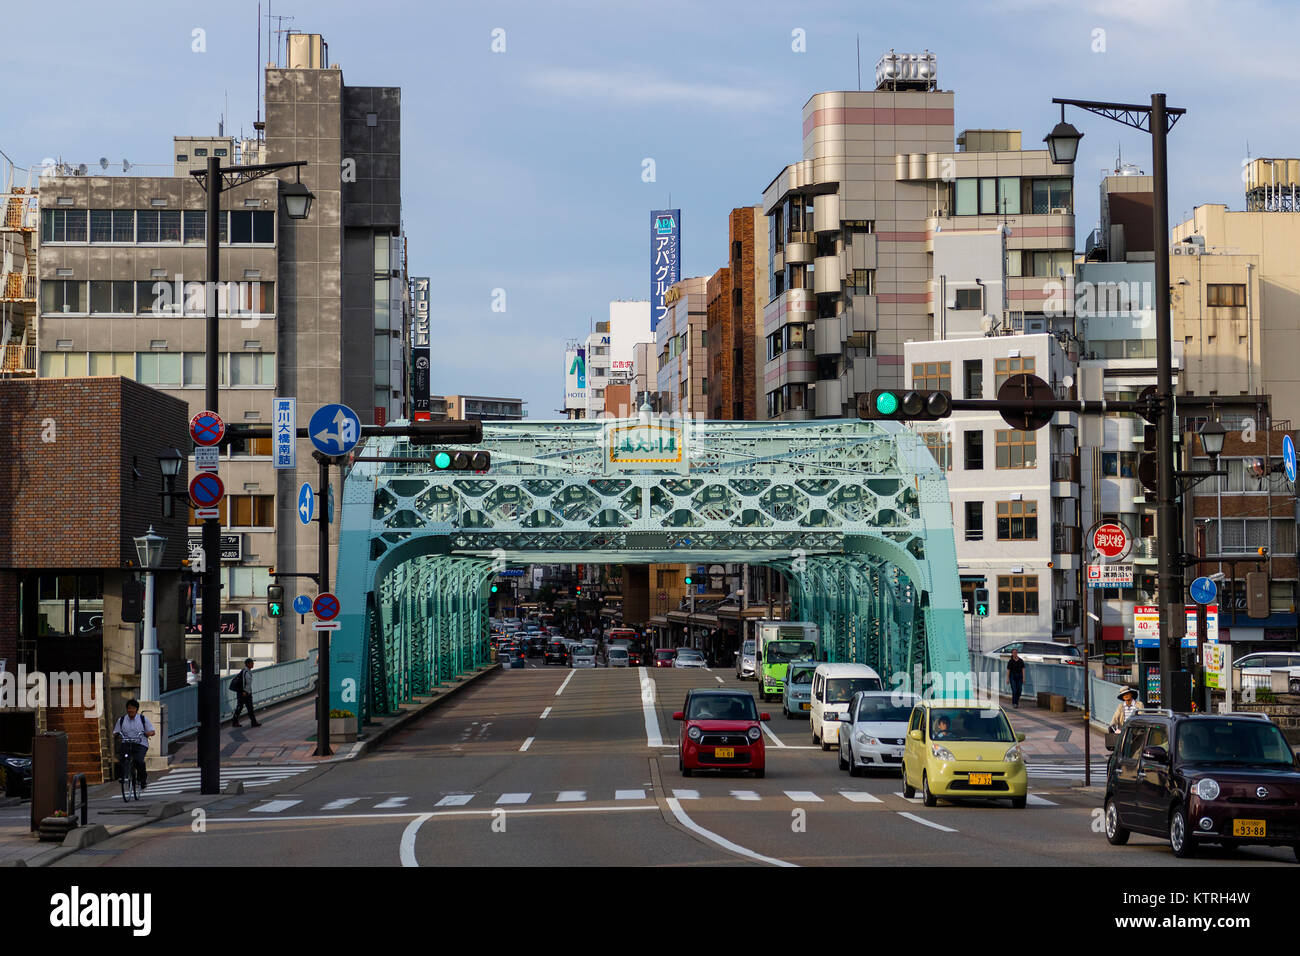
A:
{"x": 169, "y": 463}
{"x": 215, "y": 179}
{"x": 1063, "y": 144}
{"x": 149, "y": 549}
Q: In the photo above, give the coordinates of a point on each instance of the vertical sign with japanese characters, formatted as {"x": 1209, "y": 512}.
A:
{"x": 285, "y": 431}
{"x": 420, "y": 351}
{"x": 665, "y": 258}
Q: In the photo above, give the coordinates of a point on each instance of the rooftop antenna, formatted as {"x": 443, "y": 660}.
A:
{"x": 859, "y": 41}
{"x": 258, "y": 97}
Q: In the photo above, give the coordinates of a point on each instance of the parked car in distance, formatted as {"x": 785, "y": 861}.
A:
{"x": 664, "y": 656}
{"x": 689, "y": 657}
{"x": 617, "y": 657}
{"x": 796, "y": 697}
{"x": 963, "y": 748}
{"x": 746, "y": 660}
{"x": 16, "y": 775}
{"x": 1230, "y": 779}
{"x": 1260, "y": 668}
{"x": 875, "y": 730}
{"x": 1040, "y": 652}
{"x": 721, "y": 730}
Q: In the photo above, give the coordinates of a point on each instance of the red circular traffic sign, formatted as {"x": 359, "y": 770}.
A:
{"x": 207, "y": 428}
{"x": 1110, "y": 540}
{"x": 326, "y": 607}
{"x": 206, "y": 490}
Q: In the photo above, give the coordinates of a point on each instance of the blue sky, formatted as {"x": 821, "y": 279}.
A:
{"x": 522, "y": 170}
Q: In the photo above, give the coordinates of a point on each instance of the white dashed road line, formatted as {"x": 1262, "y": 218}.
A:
{"x": 803, "y": 796}
{"x": 392, "y": 803}
{"x": 340, "y": 804}
{"x": 629, "y": 794}
{"x": 857, "y": 796}
{"x": 527, "y": 743}
{"x": 938, "y": 826}
{"x": 565, "y": 684}
{"x": 652, "y": 736}
{"x": 775, "y": 739}
{"x": 275, "y": 806}
{"x": 745, "y": 795}
{"x": 544, "y": 713}
{"x": 514, "y": 798}
{"x": 571, "y": 796}
{"x": 455, "y": 800}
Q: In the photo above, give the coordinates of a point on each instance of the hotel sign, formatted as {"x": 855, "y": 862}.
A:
{"x": 646, "y": 446}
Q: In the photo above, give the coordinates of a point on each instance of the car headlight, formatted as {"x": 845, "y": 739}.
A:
{"x": 754, "y": 733}
{"x": 867, "y": 740}
{"x": 694, "y": 733}
{"x": 941, "y": 752}
{"x": 1012, "y": 755}
{"x": 1207, "y": 788}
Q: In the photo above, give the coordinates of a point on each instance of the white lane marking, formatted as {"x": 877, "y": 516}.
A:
{"x": 726, "y": 844}
{"x": 392, "y": 803}
{"x": 571, "y": 796}
{"x": 807, "y": 796}
{"x": 629, "y": 794}
{"x": 928, "y": 823}
{"x": 455, "y": 800}
{"x": 910, "y": 799}
{"x": 745, "y": 795}
{"x": 406, "y": 850}
{"x": 514, "y": 798}
{"x": 652, "y": 736}
{"x": 565, "y": 684}
{"x": 340, "y": 804}
{"x": 775, "y": 739}
{"x": 857, "y": 796}
{"x": 686, "y": 794}
{"x": 544, "y": 713}
{"x": 275, "y": 806}
{"x": 527, "y": 743}
{"x": 718, "y": 679}
{"x": 1036, "y": 801}
{"x": 402, "y": 815}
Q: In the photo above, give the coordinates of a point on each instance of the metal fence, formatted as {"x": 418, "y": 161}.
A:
{"x": 270, "y": 684}
{"x": 1063, "y": 679}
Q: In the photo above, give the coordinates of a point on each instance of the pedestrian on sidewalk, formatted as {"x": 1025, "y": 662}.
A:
{"x": 1016, "y": 677}
{"x": 242, "y": 685}
{"x": 134, "y": 730}
{"x": 1128, "y": 706}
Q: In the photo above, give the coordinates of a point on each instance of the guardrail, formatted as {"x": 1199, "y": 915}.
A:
{"x": 270, "y": 685}
{"x": 1063, "y": 679}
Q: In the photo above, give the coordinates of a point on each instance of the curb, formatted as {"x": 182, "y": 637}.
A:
{"x": 365, "y": 746}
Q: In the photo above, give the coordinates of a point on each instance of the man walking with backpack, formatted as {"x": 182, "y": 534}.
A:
{"x": 242, "y": 685}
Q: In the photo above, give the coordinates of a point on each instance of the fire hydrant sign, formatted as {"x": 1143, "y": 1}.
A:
{"x": 1110, "y": 540}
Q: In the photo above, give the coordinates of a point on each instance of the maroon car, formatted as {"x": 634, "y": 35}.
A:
{"x": 721, "y": 730}
{"x": 664, "y": 656}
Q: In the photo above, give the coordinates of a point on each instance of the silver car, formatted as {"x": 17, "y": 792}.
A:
{"x": 582, "y": 655}
{"x": 617, "y": 656}
{"x": 746, "y": 660}
{"x": 689, "y": 657}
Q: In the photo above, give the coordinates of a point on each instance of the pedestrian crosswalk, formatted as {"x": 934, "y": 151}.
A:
{"x": 1066, "y": 771}
{"x": 835, "y": 799}
{"x": 188, "y": 781}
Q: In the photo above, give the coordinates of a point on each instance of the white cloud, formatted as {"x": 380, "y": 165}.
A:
{"x": 645, "y": 90}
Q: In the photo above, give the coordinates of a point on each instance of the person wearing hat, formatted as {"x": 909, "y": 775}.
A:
{"x": 1127, "y": 707}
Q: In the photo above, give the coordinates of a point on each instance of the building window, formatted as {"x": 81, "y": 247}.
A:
{"x": 940, "y": 445}
{"x": 1051, "y": 264}
{"x": 969, "y": 299}
{"x": 972, "y": 371}
{"x": 248, "y": 369}
{"x": 195, "y": 226}
{"x": 774, "y": 347}
{"x": 974, "y": 450}
{"x": 1050, "y": 195}
{"x": 987, "y": 196}
{"x": 114, "y": 298}
{"x": 252, "y": 227}
{"x": 932, "y": 375}
{"x": 63, "y": 296}
{"x": 864, "y": 282}
{"x": 250, "y": 447}
{"x": 1222, "y": 295}
{"x": 62, "y": 364}
{"x": 1016, "y": 449}
{"x": 968, "y": 588}
{"x": 1018, "y": 594}
{"x": 1004, "y": 368}
{"x": 252, "y": 511}
{"x": 162, "y": 369}
{"x": 1119, "y": 464}
{"x": 775, "y": 404}
{"x": 1017, "y": 521}
{"x": 974, "y": 522}
{"x": 113, "y": 363}
{"x": 63, "y": 225}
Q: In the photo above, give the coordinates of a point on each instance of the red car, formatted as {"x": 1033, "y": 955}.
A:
{"x": 721, "y": 731}
{"x": 664, "y": 656}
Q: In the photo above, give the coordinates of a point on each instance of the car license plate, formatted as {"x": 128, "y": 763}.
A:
{"x": 1248, "y": 828}
{"x": 981, "y": 779}
{"x": 724, "y": 753}
{"x": 806, "y": 706}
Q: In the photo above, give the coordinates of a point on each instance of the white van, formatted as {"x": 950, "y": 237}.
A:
{"x": 833, "y": 688}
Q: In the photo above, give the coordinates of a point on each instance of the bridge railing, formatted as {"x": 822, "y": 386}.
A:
{"x": 1063, "y": 679}
{"x": 270, "y": 685}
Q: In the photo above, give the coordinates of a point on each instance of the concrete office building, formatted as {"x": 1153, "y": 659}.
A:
{"x": 317, "y": 310}
{"x": 484, "y": 409}
{"x": 852, "y": 230}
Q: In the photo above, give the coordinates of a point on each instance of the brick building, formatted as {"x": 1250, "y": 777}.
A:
{"x": 736, "y": 348}
{"x": 79, "y": 467}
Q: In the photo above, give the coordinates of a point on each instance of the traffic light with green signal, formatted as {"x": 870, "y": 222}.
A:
{"x": 982, "y": 602}
{"x": 688, "y": 580}
{"x": 904, "y": 405}
{"x": 494, "y": 589}
{"x": 275, "y": 600}
{"x": 461, "y": 460}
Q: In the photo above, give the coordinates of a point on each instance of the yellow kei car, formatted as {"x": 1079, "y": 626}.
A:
{"x": 963, "y": 748}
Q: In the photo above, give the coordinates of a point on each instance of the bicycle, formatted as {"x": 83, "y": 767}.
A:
{"x": 128, "y": 773}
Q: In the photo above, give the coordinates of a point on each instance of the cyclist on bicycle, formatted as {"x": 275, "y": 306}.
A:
{"x": 134, "y": 729}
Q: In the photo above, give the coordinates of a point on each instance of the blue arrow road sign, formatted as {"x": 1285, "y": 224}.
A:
{"x": 302, "y": 604}
{"x": 1203, "y": 591}
{"x": 306, "y": 503}
{"x": 334, "y": 429}
{"x": 1288, "y": 457}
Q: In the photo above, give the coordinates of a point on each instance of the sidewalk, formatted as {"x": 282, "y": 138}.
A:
{"x": 1053, "y": 737}
{"x": 284, "y": 738}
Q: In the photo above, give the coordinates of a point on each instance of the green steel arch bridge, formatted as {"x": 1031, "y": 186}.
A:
{"x": 854, "y": 514}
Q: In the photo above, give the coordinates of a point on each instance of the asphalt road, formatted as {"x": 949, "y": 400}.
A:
{"x": 546, "y": 766}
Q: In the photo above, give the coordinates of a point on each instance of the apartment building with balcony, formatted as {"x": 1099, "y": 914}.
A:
{"x": 735, "y": 294}
{"x": 312, "y": 309}
{"x": 682, "y": 339}
{"x": 852, "y": 229}
{"x": 1014, "y": 492}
